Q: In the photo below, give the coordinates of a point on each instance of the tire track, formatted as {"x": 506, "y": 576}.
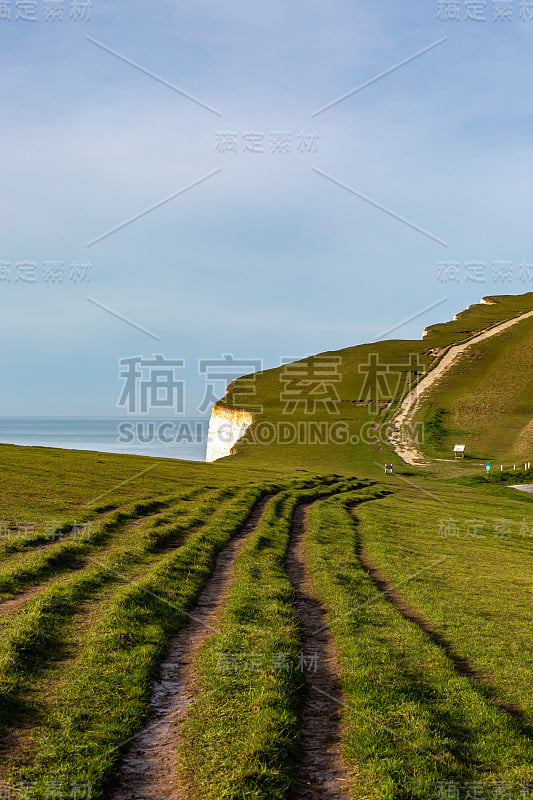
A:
{"x": 18, "y": 740}
{"x": 149, "y": 768}
{"x": 462, "y": 665}
{"x": 8, "y": 607}
{"x": 114, "y": 537}
{"x": 323, "y": 773}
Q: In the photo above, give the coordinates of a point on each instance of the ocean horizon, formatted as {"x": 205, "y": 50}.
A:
{"x": 149, "y": 436}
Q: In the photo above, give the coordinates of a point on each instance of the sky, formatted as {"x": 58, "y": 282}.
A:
{"x": 256, "y": 181}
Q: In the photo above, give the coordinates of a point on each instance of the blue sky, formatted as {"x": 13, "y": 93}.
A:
{"x": 267, "y": 258}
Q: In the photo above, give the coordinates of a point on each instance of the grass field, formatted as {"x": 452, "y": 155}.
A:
{"x": 158, "y": 618}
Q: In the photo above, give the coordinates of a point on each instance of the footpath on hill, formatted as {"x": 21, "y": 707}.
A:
{"x": 404, "y": 418}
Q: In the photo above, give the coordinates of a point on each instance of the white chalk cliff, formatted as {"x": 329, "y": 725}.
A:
{"x": 226, "y": 426}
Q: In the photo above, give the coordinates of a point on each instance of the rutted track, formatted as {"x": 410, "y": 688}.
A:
{"x": 148, "y": 771}
{"x": 322, "y": 773}
{"x": 84, "y": 554}
{"x": 10, "y": 606}
{"x": 461, "y": 664}
{"x": 89, "y": 598}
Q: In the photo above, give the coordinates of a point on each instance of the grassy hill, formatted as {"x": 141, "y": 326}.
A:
{"x": 484, "y": 402}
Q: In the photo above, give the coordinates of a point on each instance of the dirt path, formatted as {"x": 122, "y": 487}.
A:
{"x": 8, "y": 607}
{"x": 461, "y": 664}
{"x": 149, "y": 768}
{"x": 323, "y": 773}
{"x": 407, "y": 450}
{"x": 18, "y": 745}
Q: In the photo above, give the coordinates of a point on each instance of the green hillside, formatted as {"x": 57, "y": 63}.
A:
{"x": 484, "y": 402}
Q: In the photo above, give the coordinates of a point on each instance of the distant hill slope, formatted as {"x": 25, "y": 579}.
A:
{"x": 346, "y": 399}
{"x": 486, "y": 399}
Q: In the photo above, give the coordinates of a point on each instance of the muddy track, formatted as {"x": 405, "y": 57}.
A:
{"x": 323, "y": 773}
{"x": 46, "y": 543}
{"x": 98, "y": 517}
{"x": 149, "y": 768}
{"x": 8, "y": 607}
{"x": 461, "y": 664}
{"x": 18, "y": 740}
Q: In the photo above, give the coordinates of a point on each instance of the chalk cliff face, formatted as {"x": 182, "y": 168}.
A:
{"x": 226, "y": 426}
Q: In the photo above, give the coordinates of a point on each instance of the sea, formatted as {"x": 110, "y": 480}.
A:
{"x": 148, "y": 436}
